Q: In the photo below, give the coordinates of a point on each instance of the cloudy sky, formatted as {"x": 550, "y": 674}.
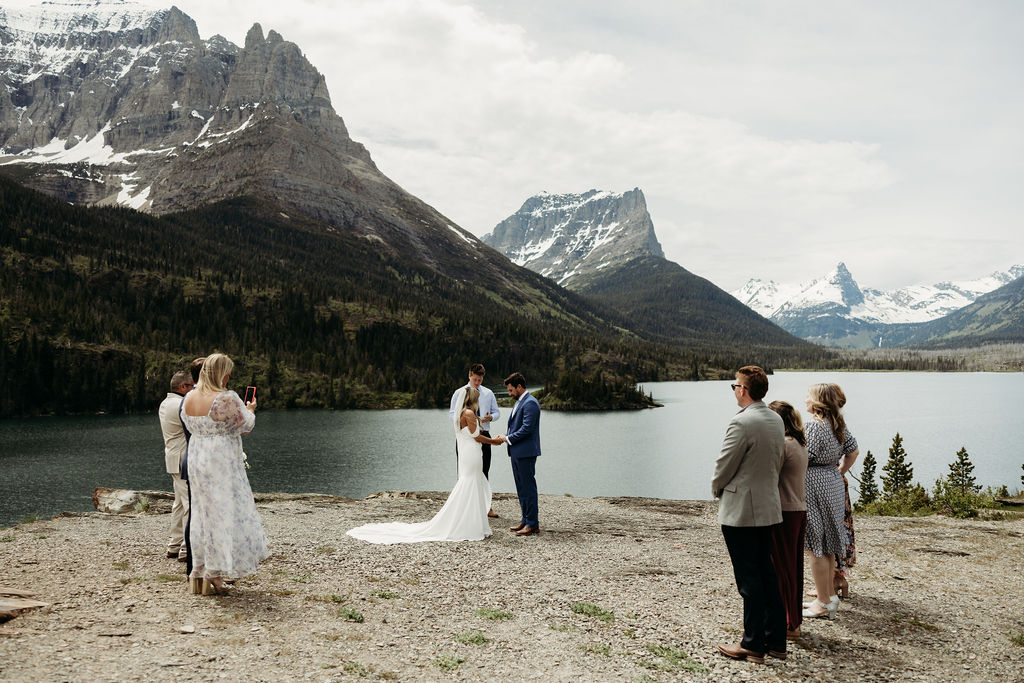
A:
{"x": 771, "y": 138}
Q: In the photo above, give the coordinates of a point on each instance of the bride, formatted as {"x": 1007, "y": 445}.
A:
{"x": 464, "y": 515}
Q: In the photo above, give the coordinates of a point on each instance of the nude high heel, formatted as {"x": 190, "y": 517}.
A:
{"x": 830, "y": 609}
{"x": 195, "y": 586}
{"x": 842, "y": 586}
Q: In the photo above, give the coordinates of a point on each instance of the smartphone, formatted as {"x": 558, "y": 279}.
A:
{"x": 250, "y": 394}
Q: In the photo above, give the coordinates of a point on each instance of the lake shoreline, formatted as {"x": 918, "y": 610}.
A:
{"x": 119, "y": 610}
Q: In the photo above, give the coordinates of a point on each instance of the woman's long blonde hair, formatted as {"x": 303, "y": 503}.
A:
{"x": 826, "y": 402}
{"x": 472, "y": 400}
{"x": 216, "y": 367}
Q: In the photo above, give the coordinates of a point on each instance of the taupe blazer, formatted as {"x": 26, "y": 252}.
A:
{"x": 747, "y": 472}
{"x": 173, "y": 431}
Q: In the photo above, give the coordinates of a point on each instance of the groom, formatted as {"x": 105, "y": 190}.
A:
{"x": 523, "y": 439}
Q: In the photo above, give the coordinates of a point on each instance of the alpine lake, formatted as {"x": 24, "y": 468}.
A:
{"x": 52, "y": 464}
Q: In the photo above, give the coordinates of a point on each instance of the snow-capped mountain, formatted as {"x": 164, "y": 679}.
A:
{"x": 834, "y": 309}
{"x": 566, "y": 236}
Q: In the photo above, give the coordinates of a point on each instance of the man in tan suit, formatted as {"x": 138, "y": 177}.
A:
{"x": 174, "y": 450}
{"x": 747, "y": 481}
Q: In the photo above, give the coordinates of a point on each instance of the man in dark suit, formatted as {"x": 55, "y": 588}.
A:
{"x": 747, "y": 481}
{"x": 523, "y": 439}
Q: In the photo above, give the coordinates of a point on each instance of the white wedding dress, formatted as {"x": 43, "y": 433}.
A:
{"x": 463, "y": 516}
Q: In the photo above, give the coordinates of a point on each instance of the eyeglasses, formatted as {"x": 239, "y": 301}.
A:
{"x": 736, "y": 385}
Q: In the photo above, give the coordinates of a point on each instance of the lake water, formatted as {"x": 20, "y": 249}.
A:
{"x": 48, "y": 465}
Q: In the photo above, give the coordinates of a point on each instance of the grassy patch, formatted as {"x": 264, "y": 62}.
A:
{"x": 1017, "y": 638}
{"x": 562, "y": 627}
{"x": 304, "y": 578}
{"x": 7, "y": 538}
{"x": 355, "y": 668}
{"x": 385, "y": 595}
{"x": 597, "y": 649}
{"x": 122, "y": 564}
{"x": 449, "y": 662}
{"x": 30, "y": 518}
{"x": 351, "y": 614}
{"x": 493, "y": 613}
{"x": 142, "y": 505}
{"x": 671, "y": 659}
{"x": 591, "y": 610}
{"x": 324, "y": 550}
{"x": 472, "y": 638}
{"x": 170, "y": 578}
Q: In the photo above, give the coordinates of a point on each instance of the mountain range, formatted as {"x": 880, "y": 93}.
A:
{"x": 603, "y": 246}
{"x": 353, "y": 287}
{"x": 834, "y": 310}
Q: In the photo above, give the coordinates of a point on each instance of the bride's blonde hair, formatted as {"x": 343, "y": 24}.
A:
{"x": 472, "y": 400}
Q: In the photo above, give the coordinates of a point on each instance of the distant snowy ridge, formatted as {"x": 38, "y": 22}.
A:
{"x": 837, "y": 295}
{"x": 566, "y": 236}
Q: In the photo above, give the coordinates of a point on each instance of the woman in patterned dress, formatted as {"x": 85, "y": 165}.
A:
{"x": 831, "y": 450}
{"x": 225, "y": 529}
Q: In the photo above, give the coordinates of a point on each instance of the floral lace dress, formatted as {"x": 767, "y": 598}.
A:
{"x": 225, "y": 529}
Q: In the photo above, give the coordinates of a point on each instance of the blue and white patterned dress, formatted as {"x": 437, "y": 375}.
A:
{"x": 225, "y": 529}
{"x": 826, "y": 495}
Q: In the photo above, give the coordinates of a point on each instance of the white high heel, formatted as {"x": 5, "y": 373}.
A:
{"x": 830, "y": 609}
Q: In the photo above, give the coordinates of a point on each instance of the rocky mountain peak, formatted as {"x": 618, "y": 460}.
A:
{"x": 566, "y": 236}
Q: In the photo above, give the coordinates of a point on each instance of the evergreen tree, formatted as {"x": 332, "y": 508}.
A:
{"x": 960, "y": 477}
{"x": 868, "y": 487}
{"x": 898, "y": 471}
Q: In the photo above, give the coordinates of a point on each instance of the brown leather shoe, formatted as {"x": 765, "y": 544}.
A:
{"x": 492, "y": 513}
{"x": 740, "y": 652}
{"x": 795, "y": 633}
{"x": 517, "y": 527}
{"x": 527, "y": 530}
{"x": 778, "y": 654}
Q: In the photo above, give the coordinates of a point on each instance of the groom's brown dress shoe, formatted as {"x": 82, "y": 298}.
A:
{"x": 527, "y": 530}
{"x": 492, "y": 513}
{"x": 740, "y": 652}
{"x": 517, "y": 527}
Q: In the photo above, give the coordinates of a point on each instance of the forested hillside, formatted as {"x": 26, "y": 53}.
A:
{"x": 98, "y": 306}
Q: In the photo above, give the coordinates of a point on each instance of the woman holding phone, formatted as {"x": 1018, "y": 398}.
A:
{"x": 226, "y": 531}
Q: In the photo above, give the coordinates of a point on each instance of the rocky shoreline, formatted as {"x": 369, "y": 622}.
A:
{"x": 612, "y": 589}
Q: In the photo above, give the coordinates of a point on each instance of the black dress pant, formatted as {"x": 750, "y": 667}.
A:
{"x": 764, "y": 615}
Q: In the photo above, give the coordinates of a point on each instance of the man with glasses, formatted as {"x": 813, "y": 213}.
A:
{"x": 174, "y": 450}
{"x": 747, "y": 482}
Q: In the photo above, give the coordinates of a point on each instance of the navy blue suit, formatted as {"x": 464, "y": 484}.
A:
{"x": 523, "y": 448}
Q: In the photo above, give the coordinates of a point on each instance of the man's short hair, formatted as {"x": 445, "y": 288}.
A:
{"x": 477, "y": 369}
{"x": 516, "y": 379}
{"x": 757, "y": 381}
{"x": 179, "y": 378}
{"x": 196, "y": 367}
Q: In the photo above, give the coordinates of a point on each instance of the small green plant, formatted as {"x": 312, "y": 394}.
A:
{"x": 597, "y": 648}
{"x": 449, "y": 662}
{"x": 30, "y": 518}
{"x": 304, "y": 578}
{"x": 121, "y": 564}
{"x": 142, "y": 505}
{"x": 7, "y": 538}
{"x": 472, "y": 638}
{"x": 385, "y": 595}
{"x": 1017, "y": 638}
{"x": 493, "y": 613}
{"x": 592, "y": 610}
{"x": 334, "y": 598}
{"x": 672, "y": 659}
{"x": 170, "y": 578}
{"x": 351, "y": 614}
{"x": 355, "y": 668}
{"x": 324, "y": 550}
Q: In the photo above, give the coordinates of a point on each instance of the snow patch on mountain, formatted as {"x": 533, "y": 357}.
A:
{"x": 838, "y": 293}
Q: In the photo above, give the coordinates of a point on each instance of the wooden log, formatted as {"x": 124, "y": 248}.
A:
{"x": 12, "y": 607}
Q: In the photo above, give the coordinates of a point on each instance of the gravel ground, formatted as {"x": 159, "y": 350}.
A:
{"x": 611, "y": 590}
